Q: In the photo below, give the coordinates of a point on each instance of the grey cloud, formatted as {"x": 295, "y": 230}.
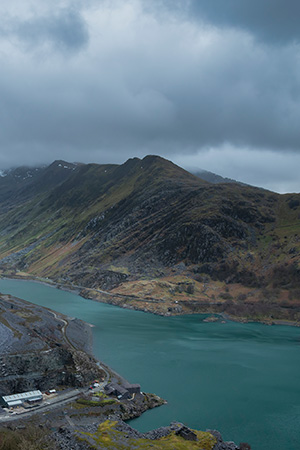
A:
{"x": 268, "y": 169}
{"x": 274, "y": 21}
{"x": 172, "y": 86}
{"x": 65, "y": 30}
{"x": 147, "y": 82}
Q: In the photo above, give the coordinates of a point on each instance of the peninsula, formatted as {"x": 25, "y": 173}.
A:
{"x": 55, "y": 395}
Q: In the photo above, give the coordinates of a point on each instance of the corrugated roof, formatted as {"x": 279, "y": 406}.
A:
{"x": 22, "y": 396}
{"x": 15, "y": 403}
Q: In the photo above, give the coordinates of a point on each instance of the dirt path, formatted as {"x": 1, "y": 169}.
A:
{"x": 63, "y": 330}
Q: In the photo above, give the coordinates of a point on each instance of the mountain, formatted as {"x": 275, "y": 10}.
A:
{"x": 213, "y": 177}
{"x": 20, "y": 184}
{"x": 152, "y": 236}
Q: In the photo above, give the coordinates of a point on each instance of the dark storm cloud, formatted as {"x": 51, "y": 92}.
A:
{"x": 272, "y": 21}
{"x": 131, "y": 78}
{"x": 64, "y": 29}
{"x": 275, "y": 21}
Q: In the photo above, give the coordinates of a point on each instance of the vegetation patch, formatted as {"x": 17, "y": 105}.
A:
{"x": 119, "y": 269}
{"x": 28, "y": 316}
{"x": 107, "y": 436}
{"x": 30, "y": 438}
{"x": 17, "y": 333}
{"x": 85, "y": 402}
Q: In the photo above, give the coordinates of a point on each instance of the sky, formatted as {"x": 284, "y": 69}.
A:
{"x": 208, "y": 84}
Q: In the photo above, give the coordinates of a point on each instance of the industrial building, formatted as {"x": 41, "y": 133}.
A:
{"x": 29, "y": 398}
{"x": 132, "y": 388}
{"x": 124, "y": 391}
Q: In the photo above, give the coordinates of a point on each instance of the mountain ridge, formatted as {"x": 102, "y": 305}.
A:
{"x": 148, "y": 228}
{"x": 212, "y": 177}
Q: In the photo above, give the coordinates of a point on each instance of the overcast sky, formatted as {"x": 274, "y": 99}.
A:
{"x": 209, "y": 84}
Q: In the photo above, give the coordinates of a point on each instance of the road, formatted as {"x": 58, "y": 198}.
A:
{"x": 64, "y": 327}
{"x": 47, "y": 405}
{"x": 107, "y": 374}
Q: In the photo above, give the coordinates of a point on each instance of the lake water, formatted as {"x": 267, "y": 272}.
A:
{"x": 242, "y": 379}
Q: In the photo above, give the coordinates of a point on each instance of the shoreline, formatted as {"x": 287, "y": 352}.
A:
{"x": 75, "y": 341}
{"x": 78, "y": 289}
{"x": 79, "y": 412}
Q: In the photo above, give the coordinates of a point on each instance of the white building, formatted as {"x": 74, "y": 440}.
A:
{"x": 30, "y": 397}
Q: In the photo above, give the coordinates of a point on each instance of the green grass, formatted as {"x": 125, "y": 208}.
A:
{"x": 108, "y": 437}
{"x": 28, "y": 316}
{"x": 85, "y": 402}
{"x": 118, "y": 269}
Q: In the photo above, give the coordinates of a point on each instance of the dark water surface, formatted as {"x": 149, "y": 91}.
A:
{"x": 242, "y": 379}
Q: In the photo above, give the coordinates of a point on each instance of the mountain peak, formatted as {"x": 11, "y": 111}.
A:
{"x": 63, "y": 164}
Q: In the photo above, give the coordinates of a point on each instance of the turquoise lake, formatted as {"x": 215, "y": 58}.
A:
{"x": 241, "y": 379}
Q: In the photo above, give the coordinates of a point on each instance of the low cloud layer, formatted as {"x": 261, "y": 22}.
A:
{"x": 107, "y": 80}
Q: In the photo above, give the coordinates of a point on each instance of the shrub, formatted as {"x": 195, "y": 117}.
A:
{"x": 86, "y": 402}
{"x": 226, "y": 296}
{"x": 30, "y": 438}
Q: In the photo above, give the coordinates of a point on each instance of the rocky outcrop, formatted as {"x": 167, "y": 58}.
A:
{"x": 221, "y": 445}
{"x": 45, "y": 370}
{"x": 40, "y": 352}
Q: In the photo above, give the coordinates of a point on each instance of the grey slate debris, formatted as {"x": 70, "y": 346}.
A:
{"x": 221, "y": 445}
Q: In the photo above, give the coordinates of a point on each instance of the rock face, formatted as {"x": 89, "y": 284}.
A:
{"x": 45, "y": 370}
{"x": 39, "y": 353}
{"x": 221, "y": 445}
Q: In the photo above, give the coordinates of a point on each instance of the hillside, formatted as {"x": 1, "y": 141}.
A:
{"x": 155, "y": 237}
